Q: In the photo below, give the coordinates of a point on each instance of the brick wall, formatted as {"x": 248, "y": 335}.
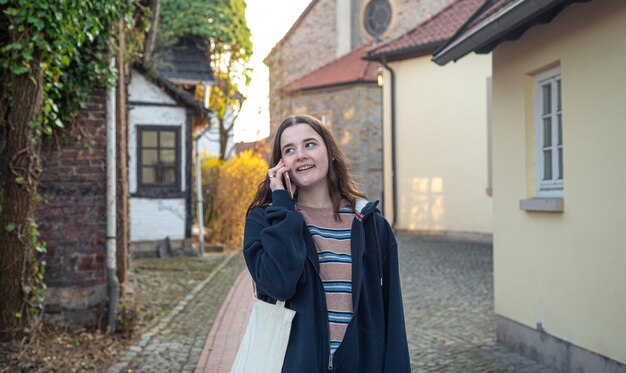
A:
{"x": 72, "y": 220}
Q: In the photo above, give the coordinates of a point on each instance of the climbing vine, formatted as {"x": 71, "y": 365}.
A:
{"x": 53, "y": 53}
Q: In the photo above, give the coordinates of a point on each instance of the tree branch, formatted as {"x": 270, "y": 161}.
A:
{"x": 148, "y": 49}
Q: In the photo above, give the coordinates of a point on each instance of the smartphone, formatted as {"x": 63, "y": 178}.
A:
{"x": 288, "y": 184}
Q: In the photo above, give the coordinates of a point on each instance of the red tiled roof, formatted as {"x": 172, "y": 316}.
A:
{"x": 347, "y": 69}
{"x": 428, "y": 35}
{"x": 495, "y": 7}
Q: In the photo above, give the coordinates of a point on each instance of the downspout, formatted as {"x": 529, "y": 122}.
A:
{"x": 200, "y": 208}
{"x": 394, "y": 181}
{"x": 111, "y": 167}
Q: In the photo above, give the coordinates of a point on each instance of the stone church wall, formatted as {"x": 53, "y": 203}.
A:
{"x": 355, "y": 118}
{"x": 354, "y": 112}
{"x": 313, "y": 43}
{"x": 308, "y": 47}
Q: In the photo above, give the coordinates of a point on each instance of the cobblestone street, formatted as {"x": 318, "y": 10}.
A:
{"x": 448, "y": 298}
{"x": 175, "y": 344}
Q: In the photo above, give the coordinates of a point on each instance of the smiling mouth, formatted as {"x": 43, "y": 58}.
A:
{"x": 304, "y": 168}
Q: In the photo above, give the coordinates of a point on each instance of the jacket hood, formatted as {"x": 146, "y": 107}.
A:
{"x": 364, "y": 207}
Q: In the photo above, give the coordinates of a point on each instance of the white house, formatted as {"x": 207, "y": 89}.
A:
{"x": 161, "y": 118}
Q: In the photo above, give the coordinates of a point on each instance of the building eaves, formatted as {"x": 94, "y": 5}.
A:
{"x": 172, "y": 89}
{"x": 499, "y": 21}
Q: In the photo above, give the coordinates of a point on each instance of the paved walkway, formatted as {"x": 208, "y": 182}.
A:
{"x": 176, "y": 343}
{"x": 448, "y": 298}
{"x": 447, "y": 289}
{"x": 227, "y": 331}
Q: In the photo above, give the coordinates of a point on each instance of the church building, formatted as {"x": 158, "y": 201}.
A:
{"x": 317, "y": 69}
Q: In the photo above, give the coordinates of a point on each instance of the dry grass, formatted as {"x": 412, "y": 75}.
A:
{"x": 157, "y": 285}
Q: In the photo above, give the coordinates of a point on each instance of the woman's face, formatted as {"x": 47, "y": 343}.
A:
{"x": 304, "y": 152}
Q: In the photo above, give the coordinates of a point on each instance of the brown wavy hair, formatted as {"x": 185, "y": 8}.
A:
{"x": 340, "y": 183}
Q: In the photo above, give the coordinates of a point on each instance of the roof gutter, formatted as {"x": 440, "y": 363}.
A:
{"x": 493, "y": 28}
{"x": 405, "y": 53}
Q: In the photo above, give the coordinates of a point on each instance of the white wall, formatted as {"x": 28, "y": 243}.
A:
{"x": 155, "y": 219}
{"x": 154, "y": 116}
{"x": 140, "y": 89}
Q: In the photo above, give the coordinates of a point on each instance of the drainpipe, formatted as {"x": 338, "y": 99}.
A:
{"x": 394, "y": 181}
{"x": 111, "y": 167}
{"x": 199, "y": 188}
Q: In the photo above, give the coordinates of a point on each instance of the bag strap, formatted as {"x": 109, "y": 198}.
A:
{"x": 279, "y": 303}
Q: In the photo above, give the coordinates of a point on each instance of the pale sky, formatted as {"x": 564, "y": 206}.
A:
{"x": 269, "y": 21}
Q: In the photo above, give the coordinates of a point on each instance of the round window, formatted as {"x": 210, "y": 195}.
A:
{"x": 377, "y": 17}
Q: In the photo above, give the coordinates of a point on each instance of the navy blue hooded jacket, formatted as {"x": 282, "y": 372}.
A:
{"x": 282, "y": 259}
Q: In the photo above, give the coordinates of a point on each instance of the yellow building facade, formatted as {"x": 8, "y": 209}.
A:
{"x": 436, "y": 132}
{"x": 559, "y": 109}
{"x": 563, "y": 271}
{"x": 442, "y": 170}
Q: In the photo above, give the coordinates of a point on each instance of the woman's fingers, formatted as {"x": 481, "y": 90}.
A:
{"x": 276, "y": 174}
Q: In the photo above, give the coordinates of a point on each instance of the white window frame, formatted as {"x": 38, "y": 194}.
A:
{"x": 552, "y": 187}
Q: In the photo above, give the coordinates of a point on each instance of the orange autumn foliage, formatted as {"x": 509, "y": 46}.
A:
{"x": 229, "y": 187}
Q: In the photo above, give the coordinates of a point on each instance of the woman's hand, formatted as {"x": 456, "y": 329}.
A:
{"x": 276, "y": 176}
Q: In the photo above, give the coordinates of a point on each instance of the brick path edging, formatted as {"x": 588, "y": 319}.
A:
{"x": 227, "y": 331}
{"x": 138, "y": 347}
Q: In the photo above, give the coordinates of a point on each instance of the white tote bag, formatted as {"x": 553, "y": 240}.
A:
{"x": 264, "y": 344}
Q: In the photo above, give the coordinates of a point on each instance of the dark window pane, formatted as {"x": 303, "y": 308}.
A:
{"x": 169, "y": 175}
{"x": 168, "y": 139}
{"x": 149, "y": 157}
{"x": 148, "y": 175}
{"x": 168, "y": 157}
{"x": 377, "y": 17}
{"x": 149, "y": 138}
{"x": 547, "y": 98}
{"x": 547, "y": 165}
{"x": 547, "y": 132}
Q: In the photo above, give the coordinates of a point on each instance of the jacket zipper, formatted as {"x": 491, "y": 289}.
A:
{"x": 325, "y": 308}
{"x": 331, "y": 357}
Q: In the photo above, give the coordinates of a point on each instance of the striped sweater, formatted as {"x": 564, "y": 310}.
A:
{"x": 332, "y": 241}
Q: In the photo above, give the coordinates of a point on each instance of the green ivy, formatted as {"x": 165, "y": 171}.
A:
{"x": 71, "y": 41}
{"x": 35, "y": 289}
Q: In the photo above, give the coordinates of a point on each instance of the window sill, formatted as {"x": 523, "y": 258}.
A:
{"x": 546, "y": 204}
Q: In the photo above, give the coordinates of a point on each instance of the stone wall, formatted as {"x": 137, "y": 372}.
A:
{"x": 72, "y": 220}
{"x": 354, "y": 115}
{"x": 313, "y": 43}
{"x": 308, "y": 47}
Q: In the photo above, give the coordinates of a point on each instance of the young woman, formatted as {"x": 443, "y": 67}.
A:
{"x": 329, "y": 254}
